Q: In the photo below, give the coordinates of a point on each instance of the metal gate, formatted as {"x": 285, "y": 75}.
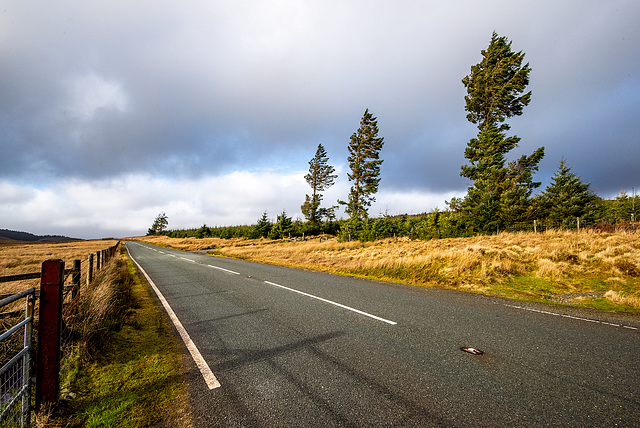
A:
{"x": 15, "y": 374}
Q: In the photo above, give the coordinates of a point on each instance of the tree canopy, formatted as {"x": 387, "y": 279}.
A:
{"x": 320, "y": 177}
{"x": 159, "y": 225}
{"x": 263, "y": 227}
{"x": 501, "y": 190}
{"x": 566, "y": 197}
{"x": 496, "y": 84}
{"x": 364, "y": 162}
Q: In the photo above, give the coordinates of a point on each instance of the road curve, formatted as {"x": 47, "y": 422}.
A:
{"x": 291, "y": 347}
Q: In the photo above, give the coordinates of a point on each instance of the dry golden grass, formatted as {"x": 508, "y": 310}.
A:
{"x": 105, "y": 299}
{"x": 192, "y": 244}
{"x": 538, "y": 266}
{"x": 18, "y": 258}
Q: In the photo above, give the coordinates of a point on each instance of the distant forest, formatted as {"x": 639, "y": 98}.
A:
{"x": 604, "y": 214}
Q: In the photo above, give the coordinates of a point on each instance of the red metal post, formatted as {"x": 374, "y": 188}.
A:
{"x": 49, "y": 331}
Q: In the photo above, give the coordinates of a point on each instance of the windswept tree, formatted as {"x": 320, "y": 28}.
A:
{"x": 364, "y": 162}
{"x": 567, "y": 197}
{"x": 320, "y": 178}
{"x": 501, "y": 191}
{"x": 159, "y": 225}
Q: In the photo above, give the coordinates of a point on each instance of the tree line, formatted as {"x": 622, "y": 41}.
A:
{"x": 500, "y": 195}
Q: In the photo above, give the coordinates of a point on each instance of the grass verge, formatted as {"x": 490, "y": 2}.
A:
{"x": 130, "y": 373}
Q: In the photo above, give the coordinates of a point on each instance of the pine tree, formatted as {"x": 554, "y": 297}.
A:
{"x": 364, "y": 161}
{"x": 501, "y": 191}
{"x": 263, "y": 227}
{"x": 566, "y": 197}
{"x": 320, "y": 178}
{"x": 159, "y": 225}
{"x": 282, "y": 227}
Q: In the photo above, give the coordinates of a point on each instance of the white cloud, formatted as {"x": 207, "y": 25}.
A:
{"x": 126, "y": 206}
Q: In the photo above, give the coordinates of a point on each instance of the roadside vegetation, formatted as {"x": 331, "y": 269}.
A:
{"x": 588, "y": 268}
{"x": 122, "y": 365}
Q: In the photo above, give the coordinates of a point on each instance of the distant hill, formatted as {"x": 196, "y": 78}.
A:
{"x": 13, "y": 235}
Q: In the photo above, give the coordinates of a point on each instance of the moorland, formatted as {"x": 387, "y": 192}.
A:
{"x": 587, "y": 268}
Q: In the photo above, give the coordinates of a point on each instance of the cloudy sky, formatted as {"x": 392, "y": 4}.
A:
{"x": 114, "y": 111}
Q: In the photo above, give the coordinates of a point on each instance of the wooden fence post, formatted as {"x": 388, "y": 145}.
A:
{"x": 90, "y": 269}
{"x": 97, "y": 260}
{"x": 76, "y": 279}
{"x": 49, "y": 329}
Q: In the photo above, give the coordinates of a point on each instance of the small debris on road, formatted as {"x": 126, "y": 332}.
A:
{"x": 473, "y": 351}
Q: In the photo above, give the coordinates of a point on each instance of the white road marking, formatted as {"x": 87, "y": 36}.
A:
{"x": 207, "y": 374}
{"x": 570, "y": 316}
{"x": 611, "y": 324}
{"x": 211, "y": 266}
{"x": 333, "y": 303}
{"x": 223, "y": 269}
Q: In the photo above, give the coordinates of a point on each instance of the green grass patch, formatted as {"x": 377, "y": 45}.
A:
{"x": 527, "y": 287}
{"x": 605, "y": 305}
{"x": 135, "y": 379}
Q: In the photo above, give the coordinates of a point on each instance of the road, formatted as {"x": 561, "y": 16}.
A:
{"x": 290, "y": 347}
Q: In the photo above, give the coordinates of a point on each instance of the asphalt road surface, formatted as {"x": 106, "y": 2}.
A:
{"x": 289, "y": 347}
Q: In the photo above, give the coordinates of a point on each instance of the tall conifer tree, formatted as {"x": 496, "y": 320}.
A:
{"x": 320, "y": 177}
{"x": 500, "y": 193}
{"x": 364, "y": 162}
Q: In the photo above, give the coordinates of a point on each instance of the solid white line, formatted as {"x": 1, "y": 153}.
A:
{"x": 333, "y": 303}
{"x": 207, "y": 374}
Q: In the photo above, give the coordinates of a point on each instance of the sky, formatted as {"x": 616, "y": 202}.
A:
{"x": 112, "y": 112}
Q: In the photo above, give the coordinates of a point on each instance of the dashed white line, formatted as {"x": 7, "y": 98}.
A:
{"x": 207, "y": 374}
{"x": 340, "y": 305}
{"x": 211, "y": 266}
{"x": 571, "y": 317}
{"x": 334, "y": 303}
{"x": 223, "y": 269}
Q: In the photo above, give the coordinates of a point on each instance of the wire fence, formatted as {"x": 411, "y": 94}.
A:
{"x": 23, "y": 333}
{"x": 15, "y": 374}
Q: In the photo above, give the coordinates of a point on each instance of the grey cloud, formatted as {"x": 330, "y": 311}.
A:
{"x": 211, "y": 87}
